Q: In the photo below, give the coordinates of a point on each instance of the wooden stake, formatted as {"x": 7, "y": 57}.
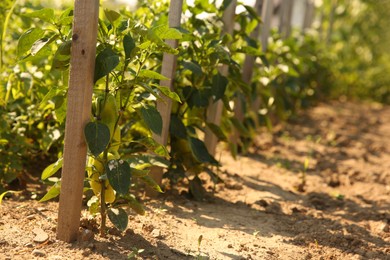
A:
{"x": 247, "y": 72}
{"x": 309, "y": 15}
{"x": 285, "y": 18}
{"x": 266, "y": 16}
{"x": 82, "y": 67}
{"x": 168, "y": 70}
{"x": 214, "y": 110}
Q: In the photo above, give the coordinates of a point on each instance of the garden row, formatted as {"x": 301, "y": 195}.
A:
{"x": 168, "y": 81}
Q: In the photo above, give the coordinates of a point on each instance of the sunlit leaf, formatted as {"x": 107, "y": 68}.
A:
{"x": 152, "y": 119}
{"x": 27, "y": 40}
{"x": 52, "y": 169}
{"x": 53, "y": 192}
{"x": 45, "y": 14}
{"x": 151, "y": 74}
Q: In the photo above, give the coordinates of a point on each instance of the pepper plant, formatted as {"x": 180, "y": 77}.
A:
{"x": 119, "y": 139}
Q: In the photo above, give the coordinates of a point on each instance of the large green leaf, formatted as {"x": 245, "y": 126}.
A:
{"x": 152, "y": 119}
{"x": 45, "y": 14}
{"x": 105, "y": 62}
{"x": 41, "y": 43}
{"x": 134, "y": 204}
{"x": 217, "y": 131}
{"x": 118, "y": 217}
{"x": 219, "y": 86}
{"x": 193, "y": 67}
{"x": 200, "y": 152}
{"x": 146, "y": 178}
{"x": 52, "y": 169}
{"x": 53, "y": 192}
{"x": 164, "y": 32}
{"x": 27, "y": 40}
{"x": 128, "y": 45}
{"x": 151, "y": 75}
{"x": 97, "y": 136}
{"x": 197, "y": 98}
{"x": 112, "y": 15}
{"x": 177, "y": 128}
{"x": 62, "y": 56}
{"x": 119, "y": 175}
{"x": 167, "y": 92}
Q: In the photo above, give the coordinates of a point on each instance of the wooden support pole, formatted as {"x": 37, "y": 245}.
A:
{"x": 164, "y": 106}
{"x": 309, "y": 15}
{"x": 214, "y": 110}
{"x": 82, "y": 65}
{"x": 266, "y": 15}
{"x": 285, "y": 18}
{"x": 247, "y": 73}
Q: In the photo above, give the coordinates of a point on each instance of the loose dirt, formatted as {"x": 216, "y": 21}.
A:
{"x": 262, "y": 210}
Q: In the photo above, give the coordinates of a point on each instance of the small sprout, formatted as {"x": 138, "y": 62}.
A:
{"x": 135, "y": 253}
{"x": 256, "y": 233}
{"x": 199, "y": 242}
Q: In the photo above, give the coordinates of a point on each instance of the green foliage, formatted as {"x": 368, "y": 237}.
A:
{"x": 292, "y": 74}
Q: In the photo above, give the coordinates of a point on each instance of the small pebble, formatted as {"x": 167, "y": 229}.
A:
{"x": 156, "y": 233}
{"x": 38, "y": 252}
{"x": 385, "y": 227}
{"x": 30, "y": 217}
{"x": 29, "y": 244}
{"x": 41, "y": 236}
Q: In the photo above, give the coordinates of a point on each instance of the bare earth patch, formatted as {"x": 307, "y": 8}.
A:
{"x": 260, "y": 211}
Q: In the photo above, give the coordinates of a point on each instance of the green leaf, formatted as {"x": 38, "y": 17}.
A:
{"x": 219, "y": 86}
{"x": 135, "y": 205}
{"x": 97, "y": 136}
{"x": 217, "y": 131}
{"x": 2, "y": 195}
{"x": 193, "y": 67}
{"x": 151, "y": 74}
{"x": 27, "y": 40}
{"x": 225, "y": 4}
{"x": 200, "y": 152}
{"x": 147, "y": 179}
{"x": 167, "y": 92}
{"x": 111, "y": 15}
{"x": 52, "y": 169}
{"x": 66, "y": 17}
{"x": 40, "y": 44}
{"x": 240, "y": 127}
{"x": 128, "y": 45}
{"x": 195, "y": 97}
{"x": 164, "y": 32}
{"x": 152, "y": 119}
{"x": 252, "y": 12}
{"x": 118, "y": 217}
{"x": 177, "y": 128}
{"x": 53, "y": 192}
{"x": 45, "y": 14}
{"x": 119, "y": 175}
{"x": 105, "y": 62}
{"x": 61, "y": 61}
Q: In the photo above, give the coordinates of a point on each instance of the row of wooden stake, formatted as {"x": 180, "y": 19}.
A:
{"x": 81, "y": 88}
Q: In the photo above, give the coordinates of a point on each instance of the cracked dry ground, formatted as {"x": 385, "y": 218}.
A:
{"x": 260, "y": 211}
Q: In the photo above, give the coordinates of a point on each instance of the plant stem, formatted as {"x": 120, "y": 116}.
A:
{"x": 103, "y": 208}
